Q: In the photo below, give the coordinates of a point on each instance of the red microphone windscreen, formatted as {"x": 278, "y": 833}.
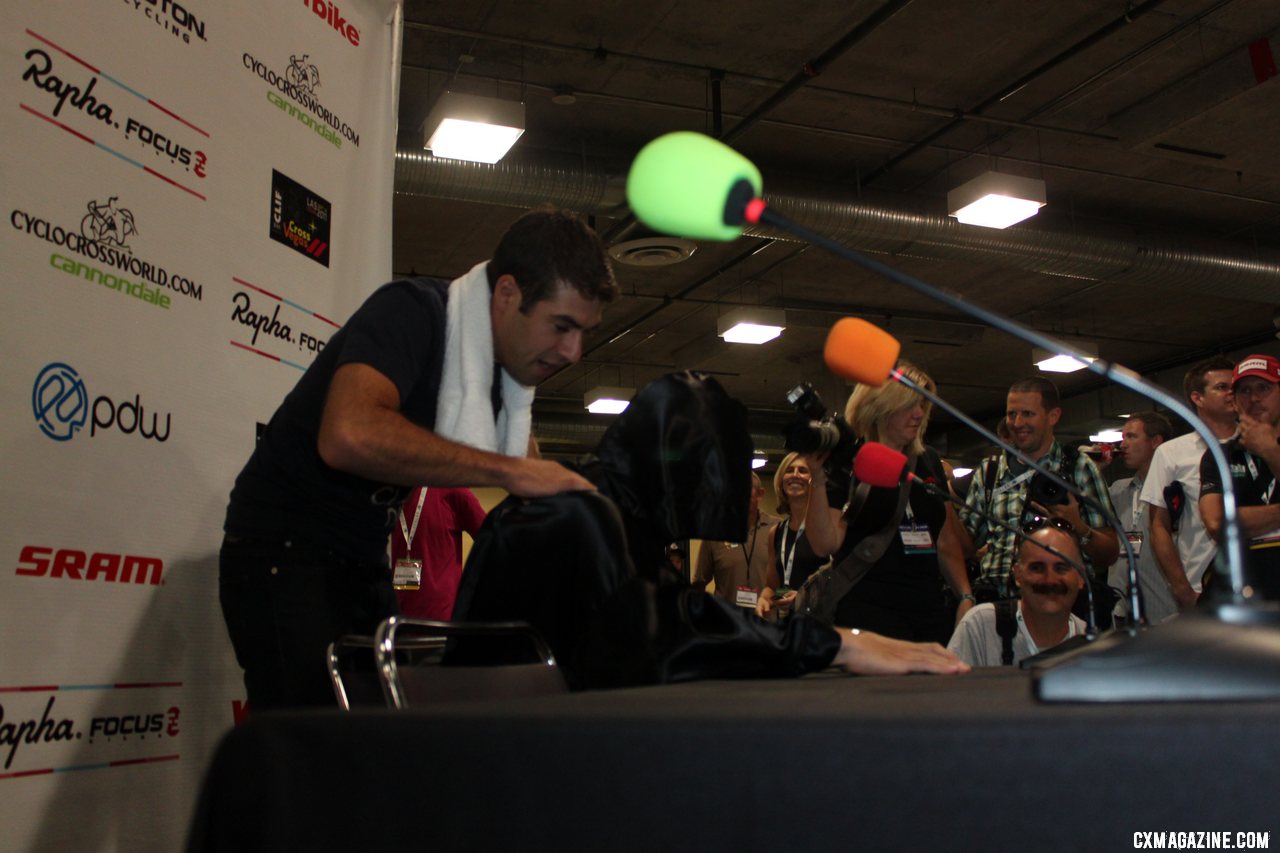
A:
{"x": 861, "y": 351}
{"x": 879, "y": 465}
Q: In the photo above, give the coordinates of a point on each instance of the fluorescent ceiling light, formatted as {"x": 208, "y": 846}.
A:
{"x": 1109, "y": 436}
{"x": 996, "y": 200}
{"x": 472, "y": 127}
{"x": 607, "y": 401}
{"x": 759, "y": 460}
{"x": 1085, "y": 353}
{"x": 751, "y": 325}
{"x": 961, "y": 472}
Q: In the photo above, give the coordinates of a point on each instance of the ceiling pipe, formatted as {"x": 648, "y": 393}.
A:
{"x": 1141, "y": 260}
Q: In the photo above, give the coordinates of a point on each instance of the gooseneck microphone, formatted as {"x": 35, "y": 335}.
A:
{"x": 692, "y": 186}
{"x": 880, "y": 465}
{"x": 855, "y": 353}
{"x": 689, "y": 185}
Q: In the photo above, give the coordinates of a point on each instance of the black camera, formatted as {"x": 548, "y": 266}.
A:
{"x": 1046, "y": 492}
{"x": 815, "y": 430}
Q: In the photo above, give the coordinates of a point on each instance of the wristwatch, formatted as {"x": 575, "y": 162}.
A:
{"x": 969, "y": 597}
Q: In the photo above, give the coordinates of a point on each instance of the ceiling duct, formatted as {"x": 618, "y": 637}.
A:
{"x": 1145, "y": 261}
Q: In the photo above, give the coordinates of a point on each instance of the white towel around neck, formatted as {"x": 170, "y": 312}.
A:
{"x": 464, "y": 409}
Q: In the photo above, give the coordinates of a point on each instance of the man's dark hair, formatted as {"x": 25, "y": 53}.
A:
{"x": 1194, "y": 382}
{"x": 1048, "y": 392}
{"x": 1154, "y": 424}
{"x": 546, "y": 247}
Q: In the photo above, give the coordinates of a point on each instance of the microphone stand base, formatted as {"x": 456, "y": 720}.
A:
{"x": 1230, "y": 654}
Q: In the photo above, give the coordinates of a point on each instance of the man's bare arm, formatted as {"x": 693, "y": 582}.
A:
{"x": 1160, "y": 530}
{"x": 362, "y": 432}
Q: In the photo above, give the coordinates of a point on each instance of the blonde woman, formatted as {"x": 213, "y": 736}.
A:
{"x": 901, "y": 594}
{"x": 791, "y": 558}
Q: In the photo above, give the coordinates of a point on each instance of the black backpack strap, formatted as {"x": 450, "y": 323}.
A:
{"x": 1007, "y": 628}
{"x": 991, "y": 466}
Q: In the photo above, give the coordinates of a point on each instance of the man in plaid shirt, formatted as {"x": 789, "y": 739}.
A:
{"x": 1031, "y": 414}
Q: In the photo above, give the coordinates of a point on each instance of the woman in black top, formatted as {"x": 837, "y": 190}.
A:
{"x": 901, "y": 594}
{"x": 791, "y": 558}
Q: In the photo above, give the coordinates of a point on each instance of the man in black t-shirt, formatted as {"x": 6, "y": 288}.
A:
{"x": 428, "y": 384}
{"x": 1254, "y": 458}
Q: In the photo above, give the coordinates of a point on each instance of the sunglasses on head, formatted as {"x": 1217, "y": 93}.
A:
{"x": 1038, "y": 521}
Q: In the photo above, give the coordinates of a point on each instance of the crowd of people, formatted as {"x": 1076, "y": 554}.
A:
{"x": 430, "y": 385}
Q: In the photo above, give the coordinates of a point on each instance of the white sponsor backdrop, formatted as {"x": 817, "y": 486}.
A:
{"x": 150, "y": 322}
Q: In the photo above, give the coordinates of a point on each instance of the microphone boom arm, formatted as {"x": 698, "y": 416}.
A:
{"x": 758, "y": 213}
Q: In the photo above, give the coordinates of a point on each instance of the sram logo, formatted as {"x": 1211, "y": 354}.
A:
{"x": 39, "y": 562}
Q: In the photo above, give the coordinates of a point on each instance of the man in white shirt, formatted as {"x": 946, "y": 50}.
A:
{"x": 1143, "y": 434}
{"x": 1048, "y": 586}
{"x": 1172, "y": 486}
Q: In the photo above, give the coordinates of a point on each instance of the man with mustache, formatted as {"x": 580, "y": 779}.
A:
{"x": 1048, "y": 585}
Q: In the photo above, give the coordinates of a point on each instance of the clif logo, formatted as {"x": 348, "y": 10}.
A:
{"x": 332, "y": 15}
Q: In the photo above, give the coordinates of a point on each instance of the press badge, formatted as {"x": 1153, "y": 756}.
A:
{"x": 1135, "y": 541}
{"x": 407, "y": 574}
{"x": 916, "y": 540}
{"x": 747, "y": 597}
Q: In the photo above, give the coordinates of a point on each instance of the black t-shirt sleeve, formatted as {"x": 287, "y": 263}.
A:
{"x": 392, "y": 334}
{"x": 1210, "y": 479}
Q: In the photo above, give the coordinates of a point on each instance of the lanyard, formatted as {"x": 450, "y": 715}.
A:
{"x": 1136, "y": 508}
{"x": 410, "y": 531}
{"x": 1014, "y": 483}
{"x": 1253, "y": 474}
{"x": 746, "y": 554}
{"x": 789, "y": 556}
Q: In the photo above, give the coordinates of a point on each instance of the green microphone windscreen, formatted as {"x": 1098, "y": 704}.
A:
{"x": 680, "y": 184}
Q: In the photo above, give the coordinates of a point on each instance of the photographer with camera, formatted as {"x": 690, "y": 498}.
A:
{"x": 892, "y": 547}
{"x": 1005, "y": 489}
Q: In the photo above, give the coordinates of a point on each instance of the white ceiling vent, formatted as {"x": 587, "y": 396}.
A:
{"x": 654, "y": 251}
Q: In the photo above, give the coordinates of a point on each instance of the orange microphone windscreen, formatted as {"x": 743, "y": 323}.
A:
{"x": 861, "y": 351}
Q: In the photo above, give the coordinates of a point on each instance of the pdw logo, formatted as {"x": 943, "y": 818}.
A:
{"x": 60, "y": 403}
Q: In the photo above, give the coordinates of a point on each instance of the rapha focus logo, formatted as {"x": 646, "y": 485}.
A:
{"x": 295, "y": 92}
{"x": 60, "y": 403}
{"x": 84, "y": 98}
{"x": 299, "y": 218}
{"x": 18, "y": 732}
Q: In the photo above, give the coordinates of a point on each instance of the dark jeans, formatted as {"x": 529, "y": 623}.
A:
{"x": 283, "y": 603}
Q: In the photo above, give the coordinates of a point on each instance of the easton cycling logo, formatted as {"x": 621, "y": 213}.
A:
{"x": 298, "y": 85}
{"x": 60, "y": 403}
{"x": 170, "y": 17}
{"x": 332, "y": 15}
{"x": 299, "y": 218}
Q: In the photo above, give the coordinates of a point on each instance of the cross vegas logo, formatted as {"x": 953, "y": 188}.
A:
{"x": 60, "y": 403}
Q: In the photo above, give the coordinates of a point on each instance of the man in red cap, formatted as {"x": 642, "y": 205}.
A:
{"x": 1254, "y": 457}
